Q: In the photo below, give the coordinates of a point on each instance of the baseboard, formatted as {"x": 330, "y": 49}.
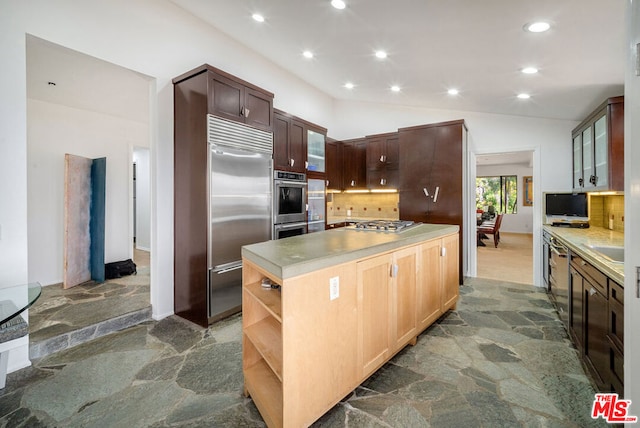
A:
{"x": 159, "y": 317}
{"x": 138, "y": 247}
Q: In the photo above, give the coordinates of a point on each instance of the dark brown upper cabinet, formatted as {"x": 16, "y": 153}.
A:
{"x": 232, "y": 98}
{"x": 334, "y": 165}
{"x": 383, "y": 161}
{"x": 354, "y": 167}
{"x": 598, "y": 149}
{"x": 383, "y": 151}
{"x": 290, "y": 144}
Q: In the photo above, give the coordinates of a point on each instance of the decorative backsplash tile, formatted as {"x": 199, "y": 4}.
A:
{"x": 364, "y": 205}
{"x": 606, "y": 211}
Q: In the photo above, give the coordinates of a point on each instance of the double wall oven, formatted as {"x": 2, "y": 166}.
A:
{"x": 289, "y": 204}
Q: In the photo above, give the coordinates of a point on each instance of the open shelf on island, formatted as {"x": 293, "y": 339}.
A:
{"x": 269, "y": 298}
{"x": 266, "y": 336}
{"x": 266, "y": 391}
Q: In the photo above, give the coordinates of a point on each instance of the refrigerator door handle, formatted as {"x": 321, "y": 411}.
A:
{"x": 227, "y": 267}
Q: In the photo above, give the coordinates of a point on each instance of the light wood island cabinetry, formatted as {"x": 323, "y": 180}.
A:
{"x": 386, "y": 306}
{"x": 344, "y": 303}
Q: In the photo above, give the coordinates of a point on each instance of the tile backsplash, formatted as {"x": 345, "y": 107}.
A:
{"x": 603, "y": 208}
{"x": 364, "y": 205}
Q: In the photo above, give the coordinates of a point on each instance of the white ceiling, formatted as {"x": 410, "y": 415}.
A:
{"x": 84, "y": 82}
{"x": 477, "y": 46}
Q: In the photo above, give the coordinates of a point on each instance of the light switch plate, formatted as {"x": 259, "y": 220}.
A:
{"x": 334, "y": 287}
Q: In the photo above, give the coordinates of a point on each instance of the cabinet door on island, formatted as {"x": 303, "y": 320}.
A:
{"x": 430, "y": 274}
{"x": 450, "y": 268}
{"x": 386, "y": 306}
{"x": 437, "y": 285}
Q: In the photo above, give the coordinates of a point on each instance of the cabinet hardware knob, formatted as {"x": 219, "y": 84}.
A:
{"x": 383, "y": 181}
{"x": 353, "y": 183}
{"x": 581, "y": 181}
{"x": 306, "y": 164}
{"x": 382, "y": 158}
{"x": 291, "y": 162}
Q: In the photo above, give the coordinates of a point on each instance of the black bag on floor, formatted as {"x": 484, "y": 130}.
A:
{"x": 119, "y": 269}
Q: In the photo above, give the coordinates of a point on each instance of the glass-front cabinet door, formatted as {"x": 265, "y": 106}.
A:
{"x": 601, "y": 153}
{"x": 587, "y": 157}
{"x": 315, "y": 151}
{"x": 577, "y": 161}
{"x": 316, "y": 197}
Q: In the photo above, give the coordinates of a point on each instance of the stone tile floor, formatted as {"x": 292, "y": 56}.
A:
{"x": 502, "y": 359}
{"x": 62, "y": 318}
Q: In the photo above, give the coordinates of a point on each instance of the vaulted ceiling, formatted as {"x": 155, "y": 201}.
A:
{"x": 478, "y": 47}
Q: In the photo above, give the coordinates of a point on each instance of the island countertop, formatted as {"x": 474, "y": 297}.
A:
{"x": 297, "y": 255}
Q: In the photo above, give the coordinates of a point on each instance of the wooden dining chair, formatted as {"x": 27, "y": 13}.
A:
{"x": 491, "y": 229}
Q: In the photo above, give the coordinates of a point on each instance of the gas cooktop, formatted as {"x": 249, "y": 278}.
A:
{"x": 384, "y": 225}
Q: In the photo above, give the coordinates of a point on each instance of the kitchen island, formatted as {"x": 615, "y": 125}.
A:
{"x": 324, "y": 311}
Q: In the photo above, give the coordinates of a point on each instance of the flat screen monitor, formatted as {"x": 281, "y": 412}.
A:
{"x": 567, "y": 205}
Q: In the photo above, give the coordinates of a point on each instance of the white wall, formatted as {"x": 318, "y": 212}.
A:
{"x": 54, "y": 130}
{"x": 632, "y": 211}
{"x": 143, "y": 198}
{"x": 522, "y": 221}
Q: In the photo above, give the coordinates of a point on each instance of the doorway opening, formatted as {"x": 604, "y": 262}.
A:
{"x": 504, "y": 208}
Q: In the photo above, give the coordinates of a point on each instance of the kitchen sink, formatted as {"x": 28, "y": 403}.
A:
{"x": 615, "y": 254}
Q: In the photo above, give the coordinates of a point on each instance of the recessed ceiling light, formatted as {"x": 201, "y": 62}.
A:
{"x": 395, "y": 88}
{"x": 349, "y": 85}
{"x": 338, "y": 4}
{"x": 307, "y": 54}
{"x": 529, "y": 70}
{"x": 258, "y": 17}
{"x": 537, "y": 27}
{"x": 453, "y": 91}
{"x": 524, "y": 96}
{"x": 381, "y": 54}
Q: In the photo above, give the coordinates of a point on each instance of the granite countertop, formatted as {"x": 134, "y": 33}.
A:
{"x": 578, "y": 239}
{"x": 297, "y": 255}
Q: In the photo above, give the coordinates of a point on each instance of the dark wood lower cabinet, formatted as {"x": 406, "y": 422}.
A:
{"x": 576, "y": 311}
{"x": 596, "y": 324}
{"x": 615, "y": 337}
{"x": 596, "y": 345}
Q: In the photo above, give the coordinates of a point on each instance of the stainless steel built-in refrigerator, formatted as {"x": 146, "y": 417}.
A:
{"x": 240, "y": 183}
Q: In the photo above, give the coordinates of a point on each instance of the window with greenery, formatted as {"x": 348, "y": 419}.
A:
{"x": 500, "y": 192}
